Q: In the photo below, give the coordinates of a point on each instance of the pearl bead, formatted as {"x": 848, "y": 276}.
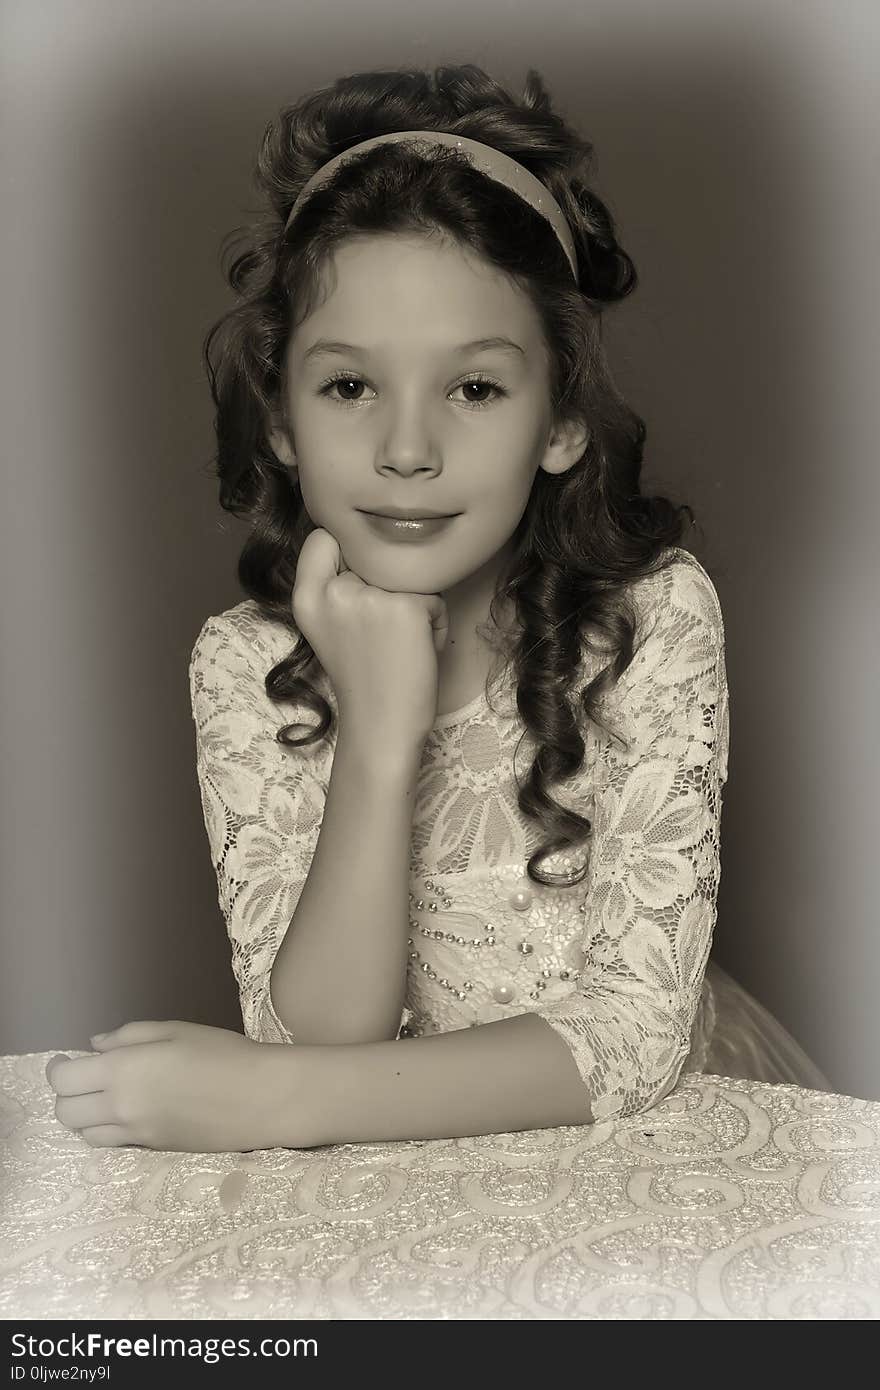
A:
{"x": 525, "y": 948}
{"x": 502, "y": 994}
{"x": 521, "y": 899}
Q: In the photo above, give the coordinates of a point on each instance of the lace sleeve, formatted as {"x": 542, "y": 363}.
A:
{"x": 650, "y": 901}
{"x": 262, "y": 805}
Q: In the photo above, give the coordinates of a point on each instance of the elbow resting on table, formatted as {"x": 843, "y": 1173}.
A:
{"x": 516, "y": 1073}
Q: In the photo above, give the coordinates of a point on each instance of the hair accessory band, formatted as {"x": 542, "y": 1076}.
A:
{"x": 486, "y": 158}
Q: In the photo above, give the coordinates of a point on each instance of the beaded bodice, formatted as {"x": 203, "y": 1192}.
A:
{"x": 616, "y": 963}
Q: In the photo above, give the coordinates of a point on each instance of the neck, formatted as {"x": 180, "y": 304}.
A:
{"x": 468, "y": 607}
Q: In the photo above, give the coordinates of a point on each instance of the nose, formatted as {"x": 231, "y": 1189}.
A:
{"x": 408, "y": 444}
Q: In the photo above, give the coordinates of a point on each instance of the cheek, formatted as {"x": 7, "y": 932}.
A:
{"x": 322, "y": 490}
{"x": 502, "y": 499}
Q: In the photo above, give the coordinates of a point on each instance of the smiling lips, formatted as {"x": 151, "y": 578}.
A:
{"x": 401, "y": 514}
{"x": 405, "y": 528}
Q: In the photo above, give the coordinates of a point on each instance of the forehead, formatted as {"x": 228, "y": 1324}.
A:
{"x": 427, "y": 289}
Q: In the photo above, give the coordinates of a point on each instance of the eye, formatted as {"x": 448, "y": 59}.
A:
{"x": 348, "y": 379}
{"x": 343, "y": 379}
{"x": 483, "y": 382}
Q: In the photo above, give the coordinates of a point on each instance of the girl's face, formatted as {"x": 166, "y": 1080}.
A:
{"x": 414, "y": 414}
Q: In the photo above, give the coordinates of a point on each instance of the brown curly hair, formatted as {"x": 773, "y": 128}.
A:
{"x": 586, "y": 534}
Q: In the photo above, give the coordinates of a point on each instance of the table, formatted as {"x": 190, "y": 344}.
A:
{"x": 729, "y": 1199}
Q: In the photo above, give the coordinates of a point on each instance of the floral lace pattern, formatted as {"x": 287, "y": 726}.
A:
{"x": 615, "y": 965}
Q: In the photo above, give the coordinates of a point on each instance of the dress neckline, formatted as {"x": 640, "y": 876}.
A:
{"x": 499, "y": 683}
{"x": 458, "y": 716}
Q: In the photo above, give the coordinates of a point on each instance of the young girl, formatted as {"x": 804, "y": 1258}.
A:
{"x": 461, "y": 750}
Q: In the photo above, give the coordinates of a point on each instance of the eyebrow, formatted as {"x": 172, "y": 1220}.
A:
{"x": 325, "y": 347}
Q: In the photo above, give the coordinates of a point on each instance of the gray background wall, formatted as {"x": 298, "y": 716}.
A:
{"x": 736, "y": 146}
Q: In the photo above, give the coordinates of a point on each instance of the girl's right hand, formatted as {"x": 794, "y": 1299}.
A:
{"x": 379, "y": 648}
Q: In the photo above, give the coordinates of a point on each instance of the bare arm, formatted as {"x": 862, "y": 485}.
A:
{"x": 513, "y": 1074}
{"x": 340, "y": 972}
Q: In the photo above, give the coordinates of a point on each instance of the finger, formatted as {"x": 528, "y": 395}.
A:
{"x": 76, "y": 1076}
{"x": 141, "y": 1031}
{"x": 319, "y": 556}
{"x": 109, "y": 1137}
{"x": 77, "y": 1112}
{"x": 332, "y": 555}
{"x": 439, "y": 615}
{"x": 317, "y": 564}
{"x": 52, "y": 1062}
{"x": 347, "y": 581}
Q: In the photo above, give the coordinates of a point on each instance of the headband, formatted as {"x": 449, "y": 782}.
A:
{"x": 486, "y": 158}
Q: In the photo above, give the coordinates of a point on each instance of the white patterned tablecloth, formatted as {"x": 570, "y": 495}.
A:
{"x": 729, "y": 1199}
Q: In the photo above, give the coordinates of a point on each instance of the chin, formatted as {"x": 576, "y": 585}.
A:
{"x": 396, "y": 566}
{"x": 419, "y": 581}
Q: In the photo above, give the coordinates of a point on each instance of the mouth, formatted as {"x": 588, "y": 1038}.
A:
{"x": 413, "y": 516}
{"x": 404, "y": 528}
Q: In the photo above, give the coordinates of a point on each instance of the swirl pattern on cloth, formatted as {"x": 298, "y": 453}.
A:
{"x": 731, "y": 1200}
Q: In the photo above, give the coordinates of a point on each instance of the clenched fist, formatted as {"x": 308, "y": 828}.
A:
{"x": 379, "y": 648}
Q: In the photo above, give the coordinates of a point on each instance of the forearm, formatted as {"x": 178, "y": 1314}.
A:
{"x": 340, "y": 972}
{"x": 515, "y": 1074}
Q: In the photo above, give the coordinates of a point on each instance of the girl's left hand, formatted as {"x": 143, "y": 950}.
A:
{"x": 175, "y": 1086}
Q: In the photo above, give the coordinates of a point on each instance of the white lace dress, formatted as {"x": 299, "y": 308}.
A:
{"x": 616, "y": 965}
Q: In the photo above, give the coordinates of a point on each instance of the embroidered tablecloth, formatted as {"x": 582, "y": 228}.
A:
{"x": 729, "y": 1199}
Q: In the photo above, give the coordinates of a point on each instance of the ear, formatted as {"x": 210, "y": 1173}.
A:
{"x": 568, "y": 440}
{"x": 280, "y": 441}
